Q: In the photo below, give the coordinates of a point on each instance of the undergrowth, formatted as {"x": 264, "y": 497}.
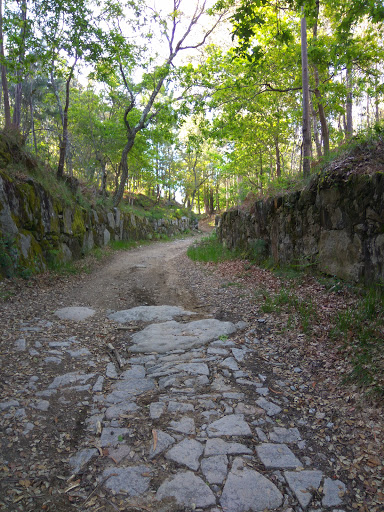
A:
{"x": 209, "y": 249}
{"x": 360, "y": 330}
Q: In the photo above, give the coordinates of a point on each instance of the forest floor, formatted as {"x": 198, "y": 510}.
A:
{"x": 254, "y": 420}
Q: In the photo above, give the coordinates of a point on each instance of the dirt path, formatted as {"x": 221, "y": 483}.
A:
{"x": 246, "y": 418}
{"x": 146, "y": 276}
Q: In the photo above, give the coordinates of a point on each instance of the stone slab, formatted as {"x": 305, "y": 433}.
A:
{"x": 77, "y": 314}
{"x": 156, "y": 409}
{"x": 186, "y": 453}
{"x": 334, "y": 491}
{"x": 112, "y": 436}
{"x": 230, "y": 363}
{"x": 188, "y": 490}
{"x": 285, "y": 435}
{"x": 69, "y": 379}
{"x": 221, "y": 447}
{"x": 269, "y": 407}
{"x": 163, "y": 442}
{"x": 115, "y": 411}
{"x": 231, "y": 425}
{"x": 81, "y": 458}
{"x": 277, "y": 456}
{"x": 215, "y": 468}
{"x": 153, "y": 314}
{"x": 131, "y": 480}
{"x": 185, "y": 425}
{"x": 168, "y": 336}
{"x": 247, "y": 490}
{"x": 303, "y": 483}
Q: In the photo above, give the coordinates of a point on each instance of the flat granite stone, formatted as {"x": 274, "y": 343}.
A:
{"x": 121, "y": 452}
{"x": 111, "y": 371}
{"x": 98, "y": 386}
{"x": 20, "y": 345}
{"x": 334, "y": 491}
{"x": 215, "y": 468}
{"x": 76, "y": 314}
{"x": 81, "y": 352}
{"x": 232, "y": 425}
{"x": 169, "y": 336}
{"x": 193, "y": 368}
{"x": 217, "y": 351}
{"x": 149, "y": 314}
{"x": 269, "y": 407}
{"x": 163, "y": 441}
{"x": 7, "y": 405}
{"x": 131, "y": 383}
{"x": 277, "y": 456}
{"x": 247, "y": 490}
{"x": 239, "y": 354}
{"x": 133, "y": 480}
{"x": 69, "y": 379}
{"x": 247, "y": 409}
{"x": 111, "y": 436}
{"x": 285, "y": 435}
{"x": 185, "y": 425}
{"x": 220, "y": 447}
{"x": 303, "y": 483}
{"x": 180, "y": 407}
{"x": 115, "y": 411}
{"x": 187, "y": 453}
{"x": 188, "y": 490}
{"x": 156, "y": 409}
{"x": 81, "y": 458}
{"x": 230, "y": 363}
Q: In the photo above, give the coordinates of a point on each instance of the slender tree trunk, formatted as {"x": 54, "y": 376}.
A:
{"x": 261, "y": 171}
{"x": 64, "y": 142}
{"x": 278, "y": 162}
{"x": 316, "y": 132}
{"x": 306, "y": 118}
{"x": 18, "y": 90}
{"x": 124, "y": 169}
{"x": 33, "y": 122}
{"x": 349, "y": 128}
{"x": 226, "y": 193}
{"x": 377, "y": 114}
{"x": 4, "y": 80}
{"x": 319, "y": 96}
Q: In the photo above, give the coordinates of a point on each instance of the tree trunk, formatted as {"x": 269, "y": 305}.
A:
{"x": 316, "y": 132}
{"x": 124, "y": 169}
{"x": 306, "y": 119}
{"x": 349, "y": 128}
{"x": 18, "y": 90}
{"x": 319, "y": 96}
{"x": 4, "y": 80}
{"x": 32, "y": 122}
{"x": 278, "y": 163}
{"x": 64, "y": 142}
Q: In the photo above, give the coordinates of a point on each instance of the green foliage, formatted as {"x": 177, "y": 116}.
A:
{"x": 360, "y": 328}
{"x": 303, "y": 310}
{"x": 210, "y": 249}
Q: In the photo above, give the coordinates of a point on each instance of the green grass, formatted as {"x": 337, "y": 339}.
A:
{"x": 302, "y": 311}
{"x": 209, "y": 249}
{"x": 360, "y": 330}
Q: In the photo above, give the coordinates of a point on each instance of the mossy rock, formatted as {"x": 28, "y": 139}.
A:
{"x": 78, "y": 223}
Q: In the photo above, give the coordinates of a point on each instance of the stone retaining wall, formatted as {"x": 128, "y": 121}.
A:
{"x": 36, "y": 229}
{"x": 335, "y": 223}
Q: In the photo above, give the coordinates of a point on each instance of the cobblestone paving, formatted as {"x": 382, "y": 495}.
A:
{"x": 184, "y": 428}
